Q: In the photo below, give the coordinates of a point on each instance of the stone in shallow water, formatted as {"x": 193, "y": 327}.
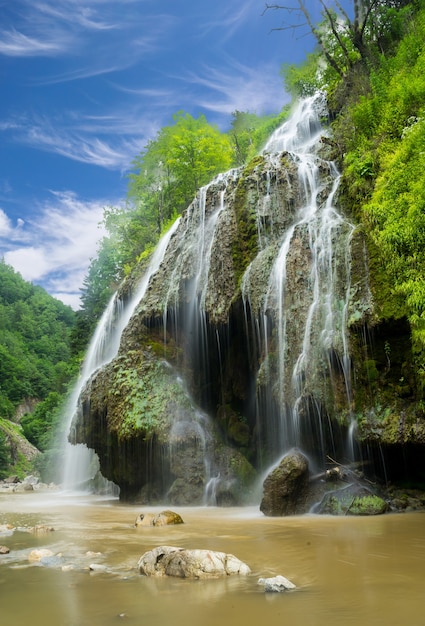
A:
{"x": 158, "y": 519}
{"x": 39, "y": 554}
{"x": 181, "y": 563}
{"x": 277, "y": 584}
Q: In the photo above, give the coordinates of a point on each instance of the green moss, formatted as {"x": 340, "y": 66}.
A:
{"x": 245, "y": 247}
{"x": 370, "y": 371}
{"x": 367, "y": 505}
{"x": 143, "y": 393}
{"x": 344, "y": 502}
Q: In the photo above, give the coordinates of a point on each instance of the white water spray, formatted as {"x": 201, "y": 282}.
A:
{"x": 81, "y": 464}
{"x": 306, "y": 269}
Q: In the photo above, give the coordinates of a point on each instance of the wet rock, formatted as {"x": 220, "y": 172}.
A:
{"x": 158, "y": 519}
{"x": 31, "y": 480}
{"x": 41, "y": 529}
{"x": 6, "y": 529}
{"x": 98, "y": 567}
{"x": 277, "y": 584}
{"x": 353, "y": 499}
{"x": 182, "y": 563}
{"x": 39, "y": 554}
{"x": 285, "y": 490}
{"x": 11, "y": 480}
{"x": 4, "y": 550}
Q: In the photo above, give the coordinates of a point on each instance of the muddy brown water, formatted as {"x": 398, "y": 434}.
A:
{"x": 348, "y": 570}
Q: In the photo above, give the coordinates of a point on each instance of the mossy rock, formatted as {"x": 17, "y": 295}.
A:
{"x": 352, "y": 500}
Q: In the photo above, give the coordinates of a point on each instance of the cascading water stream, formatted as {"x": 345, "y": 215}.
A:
{"x": 200, "y": 237}
{"x": 306, "y": 339}
{"x": 81, "y": 464}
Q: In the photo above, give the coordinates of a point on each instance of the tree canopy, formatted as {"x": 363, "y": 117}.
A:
{"x": 35, "y": 331}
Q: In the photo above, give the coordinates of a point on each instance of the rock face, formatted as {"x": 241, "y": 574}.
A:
{"x": 172, "y": 561}
{"x": 285, "y": 490}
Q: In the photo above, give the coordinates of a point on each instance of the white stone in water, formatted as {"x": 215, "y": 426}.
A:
{"x": 40, "y": 553}
{"x": 277, "y": 584}
{"x": 97, "y": 567}
{"x": 182, "y": 563}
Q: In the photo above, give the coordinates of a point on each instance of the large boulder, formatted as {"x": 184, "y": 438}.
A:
{"x": 182, "y": 563}
{"x": 285, "y": 490}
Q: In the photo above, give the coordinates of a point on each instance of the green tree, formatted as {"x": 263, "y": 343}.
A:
{"x": 342, "y": 40}
{"x": 163, "y": 182}
{"x": 182, "y": 158}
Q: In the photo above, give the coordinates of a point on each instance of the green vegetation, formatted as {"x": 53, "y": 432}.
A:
{"x": 35, "y": 335}
{"x": 384, "y": 174}
{"x": 36, "y": 364}
{"x": 4, "y": 456}
{"x": 145, "y": 395}
{"x": 374, "y": 74}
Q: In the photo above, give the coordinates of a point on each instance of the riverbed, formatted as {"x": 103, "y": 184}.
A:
{"x": 347, "y": 570}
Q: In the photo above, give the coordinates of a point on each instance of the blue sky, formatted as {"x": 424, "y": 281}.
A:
{"x": 85, "y": 86}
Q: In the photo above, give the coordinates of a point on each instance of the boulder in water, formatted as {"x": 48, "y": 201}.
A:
{"x": 164, "y": 518}
{"x": 285, "y": 490}
{"x": 277, "y": 584}
{"x": 182, "y": 563}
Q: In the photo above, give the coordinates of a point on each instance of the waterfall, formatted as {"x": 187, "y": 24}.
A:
{"x": 240, "y": 348}
{"x": 81, "y": 464}
{"x": 301, "y": 327}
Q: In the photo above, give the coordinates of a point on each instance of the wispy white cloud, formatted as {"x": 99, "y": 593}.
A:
{"x": 85, "y": 149}
{"x": 110, "y": 141}
{"x": 54, "y": 248}
{"x": 73, "y": 13}
{"x": 18, "y": 44}
{"x": 103, "y": 36}
{"x": 231, "y": 19}
{"x": 238, "y": 87}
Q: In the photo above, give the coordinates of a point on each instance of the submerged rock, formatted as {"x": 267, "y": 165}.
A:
{"x": 182, "y": 563}
{"x": 98, "y": 567}
{"x": 277, "y": 584}
{"x": 39, "y": 554}
{"x": 41, "y": 529}
{"x": 158, "y": 519}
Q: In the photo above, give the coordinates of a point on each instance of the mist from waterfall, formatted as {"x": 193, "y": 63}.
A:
{"x": 81, "y": 464}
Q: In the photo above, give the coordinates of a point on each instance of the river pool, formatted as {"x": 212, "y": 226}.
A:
{"x": 347, "y": 570}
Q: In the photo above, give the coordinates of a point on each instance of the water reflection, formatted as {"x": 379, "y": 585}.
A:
{"x": 347, "y": 570}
